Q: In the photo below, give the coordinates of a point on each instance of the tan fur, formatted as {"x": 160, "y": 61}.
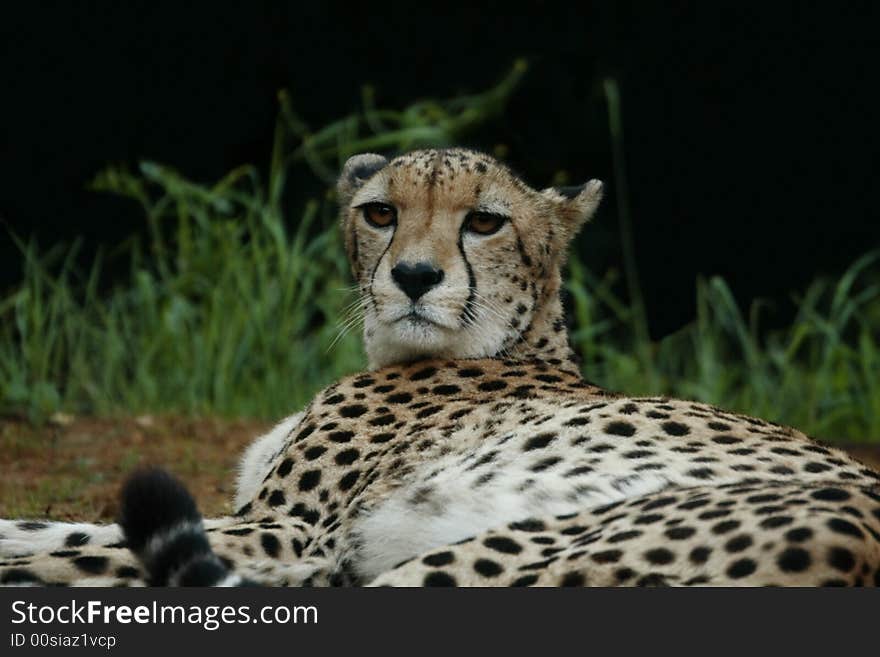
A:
{"x": 475, "y": 452}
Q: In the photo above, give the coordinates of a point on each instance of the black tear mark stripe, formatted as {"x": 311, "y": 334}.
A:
{"x": 379, "y": 262}
{"x": 468, "y": 310}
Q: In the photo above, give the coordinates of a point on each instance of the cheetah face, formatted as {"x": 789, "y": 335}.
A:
{"x": 454, "y": 256}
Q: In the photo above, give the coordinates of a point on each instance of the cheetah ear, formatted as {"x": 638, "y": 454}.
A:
{"x": 357, "y": 170}
{"x": 577, "y": 204}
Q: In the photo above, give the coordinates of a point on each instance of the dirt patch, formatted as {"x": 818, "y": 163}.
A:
{"x": 74, "y": 470}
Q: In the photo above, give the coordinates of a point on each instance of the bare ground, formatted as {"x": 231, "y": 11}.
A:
{"x": 73, "y": 469}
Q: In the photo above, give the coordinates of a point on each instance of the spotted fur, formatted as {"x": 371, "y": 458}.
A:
{"x": 472, "y": 452}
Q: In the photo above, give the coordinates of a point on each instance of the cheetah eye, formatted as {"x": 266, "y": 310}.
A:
{"x": 484, "y": 223}
{"x": 380, "y": 215}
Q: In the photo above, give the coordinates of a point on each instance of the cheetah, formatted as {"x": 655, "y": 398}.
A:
{"x": 471, "y": 451}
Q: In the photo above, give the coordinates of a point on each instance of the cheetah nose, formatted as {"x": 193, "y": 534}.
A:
{"x": 416, "y": 279}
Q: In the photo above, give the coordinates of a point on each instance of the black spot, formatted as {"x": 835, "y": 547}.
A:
{"x": 19, "y": 576}
{"x": 776, "y": 521}
{"x": 659, "y": 503}
{"x": 488, "y": 568}
{"x": 309, "y": 479}
{"x": 439, "y": 578}
{"x": 624, "y": 536}
{"x": 76, "y": 539}
{"x": 354, "y": 410}
{"x": 676, "y": 428}
{"x": 725, "y": 526}
{"x": 700, "y": 555}
{"x": 799, "y": 534}
{"x": 469, "y": 372}
{"x": 305, "y": 433}
{"x": 335, "y": 399}
{"x": 341, "y": 436}
{"x": 679, "y": 533}
{"x": 539, "y": 442}
{"x": 31, "y": 525}
{"x": 349, "y": 480}
{"x": 276, "y": 498}
{"x": 448, "y": 389}
{"x": 659, "y": 556}
{"x": 285, "y": 467}
{"x": 738, "y": 543}
{"x": 841, "y": 559}
{"x": 620, "y": 429}
{"x": 491, "y": 386}
{"x": 542, "y": 465}
{"x": 382, "y": 420}
{"x": 423, "y": 373}
{"x": 573, "y": 578}
{"x": 530, "y": 525}
{"x": 814, "y": 466}
{"x": 652, "y": 579}
{"x": 244, "y": 531}
{"x": 693, "y": 504}
{"x": 701, "y": 473}
{"x": 762, "y": 499}
{"x": 127, "y": 572}
{"x": 741, "y": 568}
{"x": 607, "y": 556}
{"x": 525, "y": 580}
{"x": 347, "y": 457}
{"x": 793, "y": 560}
{"x": 830, "y": 495}
{"x": 91, "y": 564}
{"x": 502, "y": 544}
{"x": 399, "y": 398}
{"x": 439, "y": 559}
{"x": 271, "y": 544}
{"x": 648, "y": 519}
{"x": 842, "y": 526}
{"x": 314, "y": 452}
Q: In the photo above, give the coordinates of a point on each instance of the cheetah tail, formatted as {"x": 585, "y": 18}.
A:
{"x": 163, "y": 528}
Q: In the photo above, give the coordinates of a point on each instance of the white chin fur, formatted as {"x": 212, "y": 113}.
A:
{"x": 401, "y": 342}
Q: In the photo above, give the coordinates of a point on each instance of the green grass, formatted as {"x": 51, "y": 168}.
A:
{"x": 232, "y": 304}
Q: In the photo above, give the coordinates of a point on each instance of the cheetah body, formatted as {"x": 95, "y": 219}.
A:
{"x": 472, "y": 451}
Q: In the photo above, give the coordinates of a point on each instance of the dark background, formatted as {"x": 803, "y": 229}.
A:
{"x": 751, "y": 130}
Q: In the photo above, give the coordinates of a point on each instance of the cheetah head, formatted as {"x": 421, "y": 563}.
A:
{"x": 456, "y": 257}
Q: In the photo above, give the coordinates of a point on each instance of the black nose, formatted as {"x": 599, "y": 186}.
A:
{"x": 416, "y": 279}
